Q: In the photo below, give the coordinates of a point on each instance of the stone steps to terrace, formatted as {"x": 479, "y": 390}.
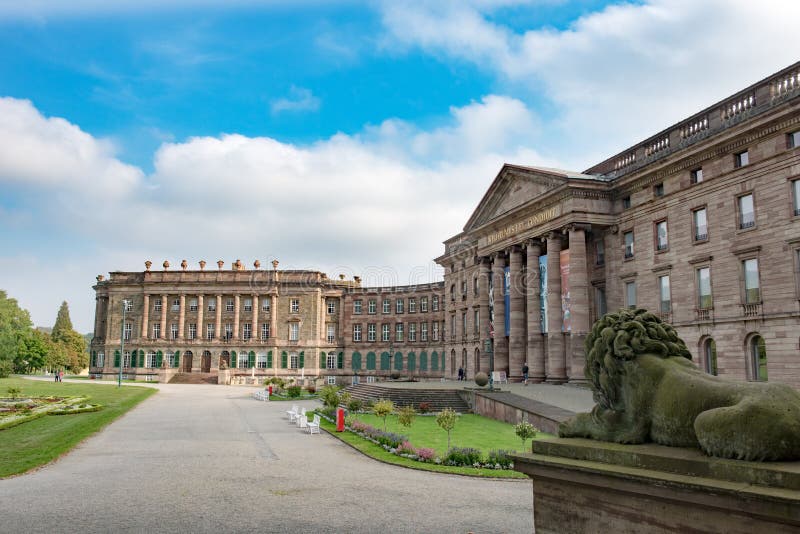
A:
{"x": 438, "y": 399}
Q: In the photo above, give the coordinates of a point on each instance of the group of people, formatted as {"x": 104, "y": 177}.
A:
{"x": 59, "y": 376}
{"x": 462, "y": 375}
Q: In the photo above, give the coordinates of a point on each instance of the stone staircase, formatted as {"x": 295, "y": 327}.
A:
{"x": 437, "y": 398}
{"x": 194, "y": 378}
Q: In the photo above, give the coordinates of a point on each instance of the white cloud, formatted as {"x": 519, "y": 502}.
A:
{"x": 662, "y": 60}
{"x": 299, "y": 99}
{"x": 377, "y": 203}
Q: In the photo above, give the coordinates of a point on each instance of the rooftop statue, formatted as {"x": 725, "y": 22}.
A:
{"x": 647, "y": 389}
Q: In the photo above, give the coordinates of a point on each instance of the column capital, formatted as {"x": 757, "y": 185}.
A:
{"x": 555, "y": 235}
{"x": 498, "y": 255}
{"x": 513, "y": 248}
{"x": 578, "y": 227}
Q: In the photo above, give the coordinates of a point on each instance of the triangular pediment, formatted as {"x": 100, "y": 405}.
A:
{"x": 513, "y": 187}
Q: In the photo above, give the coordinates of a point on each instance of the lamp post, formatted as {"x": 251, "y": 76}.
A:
{"x": 122, "y": 342}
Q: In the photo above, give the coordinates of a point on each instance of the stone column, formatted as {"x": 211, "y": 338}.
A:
{"x": 218, "y": 318}
{"x": 254, "y": 332}
{"x": 182, "y": 317}
{"x": 273, "y": 320}
{"x": 516, "y": 349}
{"x": 579, "y": 303}
{"x": 98, "y": 314}
{"x": 164, "y": 325}
{"x": 201, "y": 330}
{"x": 145, "y": 315}
{"x": 483, "y": 302}
{"x": 535, "y": 349}
{"x": 500, "y": 341}
{"x": 236, "y": 302}
{"x": 556, "y": 372}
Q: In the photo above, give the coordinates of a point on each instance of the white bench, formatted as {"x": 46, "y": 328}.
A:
{"x": 313, "y": 426}
{"x": 499, "y": 377}
{"x": 261, "y": 394}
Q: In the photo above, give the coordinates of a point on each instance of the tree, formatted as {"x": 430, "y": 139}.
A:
{"x": 446, "y": 421}
{"x": 63, "y": 324}
{"x": 15, "y": 325}
{"x": 525, "y": 431}
{"x": 406, "y": 415}
{"x": 74, "y": 343}
{"x": 32, "y": 353}
{"x": 383, "y": 408}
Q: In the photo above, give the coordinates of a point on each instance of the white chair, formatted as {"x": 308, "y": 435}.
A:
{"x": 301, "y": 416}
{"x": 302, "y": 421}
{"x": 313, "y": 426}
{"x": 292, "y": 414}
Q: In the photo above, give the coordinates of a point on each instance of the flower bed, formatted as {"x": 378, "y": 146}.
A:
{"x": 17, "y": 411}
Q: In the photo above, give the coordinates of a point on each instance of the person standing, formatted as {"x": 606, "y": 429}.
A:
{"x": 525, "y": 373}
{"x": 460, "y": 373}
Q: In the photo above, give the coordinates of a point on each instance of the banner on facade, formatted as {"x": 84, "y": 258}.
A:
{"x": 507, "y": 298}
{"x": 566, "y": 314}
{"x": 543, "y": 292}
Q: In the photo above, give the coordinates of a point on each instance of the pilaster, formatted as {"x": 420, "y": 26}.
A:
{"x": 516, "y": 352}
{"x": 535, "y": 348}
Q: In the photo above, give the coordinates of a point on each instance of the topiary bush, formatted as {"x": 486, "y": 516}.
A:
{"x": 294, "y": 391}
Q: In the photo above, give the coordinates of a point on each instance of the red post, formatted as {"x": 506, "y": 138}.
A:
{"x": 270, "y": 391}
{"x": 340, "y": 420}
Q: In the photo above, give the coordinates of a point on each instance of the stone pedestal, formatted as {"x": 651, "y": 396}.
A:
{"x": 590, "y": 486}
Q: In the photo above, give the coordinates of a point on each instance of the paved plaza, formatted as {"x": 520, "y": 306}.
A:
{"x": 197, "y": 458}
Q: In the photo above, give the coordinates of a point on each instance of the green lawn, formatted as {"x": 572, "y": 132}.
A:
{"x": 470, "y": 431}
{"x": 42, "y": 440}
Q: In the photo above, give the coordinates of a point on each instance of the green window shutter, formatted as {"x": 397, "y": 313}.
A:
{"x": 251, "y": 360}
{"x": 370, "y": 361}
{"x": 176, "y": 359}
{"x": 398, "y": 361}
{"x": 159, "y": 358}
{"x": 384, "y": 361}
{"x": 93, "y": 359}
{"x": 412, "y": 361}
{"x": 356, "y": 361}
{"x": 269, "y": 359}
{"x": 442, "y": 365}
{"x": 423, "y": 361}
{"x": 233, "y": 359}
{"x": 301, "y": 360}
{"x": 322, "y": 362}
{"x": 141, "y": 358}
{"x": 435, "y": 361}
{"x": 340, "y": 360}
{"x": 116, "y": 358}
{"x": 284, "y": 360}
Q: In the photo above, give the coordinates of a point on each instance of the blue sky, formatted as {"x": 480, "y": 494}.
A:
{"x": 346, "y": 136}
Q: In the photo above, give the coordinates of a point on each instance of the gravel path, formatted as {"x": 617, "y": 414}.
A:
{"x": 199, "y": 458}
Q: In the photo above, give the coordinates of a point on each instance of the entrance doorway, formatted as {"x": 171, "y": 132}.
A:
{"x": 206, "y": 362}
{"x": 225, "y": 360}
{"x": 187, "y": 361}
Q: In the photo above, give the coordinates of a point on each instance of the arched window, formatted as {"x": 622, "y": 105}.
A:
{"x": 464, "y": 361}
{"x": 758, "y": 357}
{"x": 434, "y": 361}
{"x": 453, "y": 361}
{"x": 411, "y": 361}
{"x": 710, "y": 356}
{"x": 370, "y": 361}
{"x": 477, "y": 360}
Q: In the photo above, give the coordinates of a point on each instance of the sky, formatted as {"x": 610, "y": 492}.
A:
{"x": 346, "y": 136}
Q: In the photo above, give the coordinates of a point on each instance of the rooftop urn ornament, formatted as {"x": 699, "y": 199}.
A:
{"x": 184, "y": 264}
{"x": 257, "y": 264}
{"x": 220, "y": 263}
{"x": 202, "y": 265}
{"x": 166, "y": 265}
{"x": 357, "y": 279}
{"x": 147, "y": 265}
{"x": 274, "y": 265}
{"x": 100, "y": 277}
{"x": 238, "y": 265}
{"x": 341, "y": 277}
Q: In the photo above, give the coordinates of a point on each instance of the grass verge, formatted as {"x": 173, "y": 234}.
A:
{"x": 377, "y": 452}
{"x": 35, "y": 443}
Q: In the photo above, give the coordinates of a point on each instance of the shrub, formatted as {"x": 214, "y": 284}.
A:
{"x": 329, "y": 396}
{"x": 426, "y": 454}
{"x": 355, "y": 405}
{"x": 6, "y": 368}
{"x": 311, "y": 388}
{"x": 390, "y": 439}
{"x": 463, "y": 456}
{"x": 499, "y": 458}
{"x": 446, "y": 421}
{"x": 383, "y": 408}
{"x": 14, "y": 392}
{"x": 424, "y": 407}
{"x": 344, "y": 398}
{"x": 405, "y": 416}
{"x": 525, "y": 431}
{"x": 406, "y": 448}
{"x": 293, "y": 391}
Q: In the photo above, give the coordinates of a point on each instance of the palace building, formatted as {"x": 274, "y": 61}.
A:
{"x": 700, "y": 224}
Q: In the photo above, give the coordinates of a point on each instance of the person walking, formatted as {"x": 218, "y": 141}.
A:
{"x": 525, "y": 373}
{"x": 461, "y": 373}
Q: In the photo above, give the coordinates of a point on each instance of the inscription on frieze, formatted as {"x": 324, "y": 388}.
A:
{"x": 525, "y": 224}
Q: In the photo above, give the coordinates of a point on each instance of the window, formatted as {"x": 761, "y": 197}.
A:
{"x": 626, "y": 202}
{"x": 796, "y": 197}
{"x": 398, "y": 332}
{"x": 156, "y": 330}
{"x": 747, "y": 214}
{"x": 330, "y": 361}
{"x": 658, "y": 190}
{"x": 412, "y": 305}
{"x": 630, "y": 294}
{"x": 399, "y": 305}
{"x": 741, "y": 159}
{"x": 453, "y": 326}
{"x": 464, "y": 323}
{"x": 294, "y": 306}
{"x": 476, "y": 321}
{"x": 412, "y": 331}
{"x": 210, "y": 331}
{"x": 229, "y": 305}
{"x": 696, "y": 176}
{"x": 157, "y": 305}
{"x": 331, "y": 307}
{"x": 247, "y": 331}
{"x": 261, "y": 360}
{"x": 242, "y": 362}
{"x": 423, "y": 304}
{"x": 371, "y": 332}
{"x": 628, "y": 236}
{"x": 752, "y": 293}
{"x": 357, "y": 307}
{"x": 128, "y": 304}
{"x": 127, "y": 330}
{"x": 331, "y": 380}
{"x": 294, "y": 361}
{"x": 266, "y": 304}
{"x": 152, "y": 359}
{"x": 294, "y": 331}
{"x": 435, "y": 303}
{"x": 475, "y": 286}
{"x": 710, "y": 356}
{"x": 664, "y": 294}
{"x": 171, "y": 359}
{"x": 793, "y": 139}
{"x": 176, "y": 305}
{"x": 758, "y": 358}
{"x": 100, "y": 360}
{"x": 600, "y": 301}
{"x": 173, "y": 331}
{"x": 662, "y": 242}
{"x": 356, "y": 332}
{"x": 331, "y": 333}
{"x": 423, "y": 332}
{"x": 228, "y": 330}
{"x": 212, "y": 305}
{"x": 435, "y": 330}
{"x": 385, "y": 332}
{"x": 704, "y": 300}
{"x": 126, "y": 359}
{"x": 264, "y": 331}
{"x": 193, "y": 304}
{"x": 599, "y": 252}
{"x": 192, "y": 330}
{"x": 248, "y": 304}
{"x": 372, "y": 307}
{"x": 387, "y": 306}
{"x": 464, "y": 287}
{"x": 700, "y": 223}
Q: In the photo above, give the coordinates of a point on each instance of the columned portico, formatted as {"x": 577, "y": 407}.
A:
{"x": 500, "y": 342}
{"x": 556, "y": 372}
{"x": 516, "y": 352}
{"x": 535, "y": 348}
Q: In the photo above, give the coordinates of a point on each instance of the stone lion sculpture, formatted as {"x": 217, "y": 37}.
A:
{"x": 647, "y": 389}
